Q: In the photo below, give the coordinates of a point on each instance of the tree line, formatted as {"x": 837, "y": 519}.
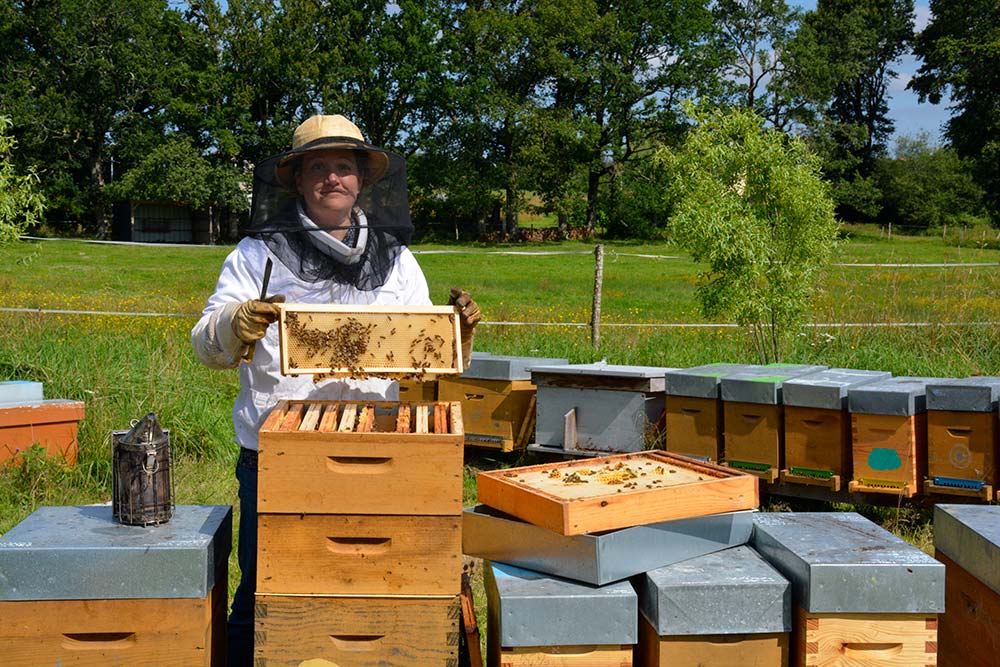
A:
{"x": 499, "y": 106}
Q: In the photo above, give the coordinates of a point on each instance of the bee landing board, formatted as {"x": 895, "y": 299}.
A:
{"x": 618, "y": 491}
{"x": 383, "y": 341}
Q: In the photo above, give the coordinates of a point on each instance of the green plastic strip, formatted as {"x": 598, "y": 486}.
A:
{"x": 809, "y": 472}
{"x": 749, "y": 465}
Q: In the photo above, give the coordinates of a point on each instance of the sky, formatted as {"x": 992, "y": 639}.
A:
{"x": 911, "y": 117}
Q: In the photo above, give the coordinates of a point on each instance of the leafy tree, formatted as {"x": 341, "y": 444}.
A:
{"x": 926, "y": 186}
{"x": 960, "y": 49}
{"x": 751, "y": 205}
{"x": 21, "y": 204}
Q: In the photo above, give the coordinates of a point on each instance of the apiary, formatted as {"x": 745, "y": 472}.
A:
{"x": 694, "y": 425}
{"x": 544, "y": 621}
{"x": 963, "y": 437}
{"x": 967, "y": 541}
{"x": 754, "y": 418}
{"x": 51, "y": 423}
{"x": 818, "y": 426}
{"x": 862, "y": 595}
{"x": 598, "y": 407}
{"x": 498, "y": 400}
{"x": 618, "y": 491}
{"x": 382, "y": 458}
{"x": 359, "y": 534}
{"x": 889, "y": 436}
{"x": 603, "y": 557}
{"x": 725, "y": 609}
{"x": 77, "y": 587}
{"x": 386, "y": 341}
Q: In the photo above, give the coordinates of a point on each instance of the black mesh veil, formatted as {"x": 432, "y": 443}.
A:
{"x": 382, "y": 207}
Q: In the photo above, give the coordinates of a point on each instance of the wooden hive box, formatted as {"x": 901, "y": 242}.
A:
{"x": 349, "y": 457}
{"x": 693, "y": 419}
{"x": 50, "y": 423}
{"x": 544, "y": 621}
{"x": 967, "y": 541}
{"x": 79, "y": 588}
{"x": 598, "y": 407}
{"x": 818, "y": 426}
{"x": 963, "y": 438}
{"x": 889, "y": 436}
{"x": 726, "y": 609}
{"x": 356, "y": 631}
{"x": 387, "y": 341}
{"x": 753, "y": 415}
{"x": 604, "y": 493}
{"x": 418, "y": 390}
{"x": 862, "y": 595}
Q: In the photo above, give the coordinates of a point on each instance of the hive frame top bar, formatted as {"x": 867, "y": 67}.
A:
{"x": 388, "y": 341}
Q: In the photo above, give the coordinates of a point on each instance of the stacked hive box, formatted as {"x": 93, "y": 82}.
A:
{"x": 724, "y": 609}
{"x": 967, "y": 541}
{"x": 588, "y": 525}
{"x": 962, "y": 437}
{"x": 818, "y": 427}
{"x": 862, "y": 596}
{"x": 889, "y": 436}
{"x": 498, "y": 400}
{"x": 754, "y": 418}
{"x": 359, "y": 534}
{"x": 693, "y": 418}
{"x": 27, "y": 419}
{"x": 79, "y": 588}
{"x": 598, "y": 408}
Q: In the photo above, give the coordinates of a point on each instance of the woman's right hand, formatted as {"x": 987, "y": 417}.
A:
{"x": 251, "y": 319}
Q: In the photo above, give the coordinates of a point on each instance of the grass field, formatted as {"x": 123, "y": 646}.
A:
{"x": 123, "y": 366}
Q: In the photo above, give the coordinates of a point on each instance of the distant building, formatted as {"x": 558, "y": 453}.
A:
{"x": 164, "y": 222}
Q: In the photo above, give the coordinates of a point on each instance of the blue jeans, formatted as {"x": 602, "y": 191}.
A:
{"x": 241, "y": 620}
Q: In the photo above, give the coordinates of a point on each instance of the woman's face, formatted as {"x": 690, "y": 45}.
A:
{"x": 329, "y": 182}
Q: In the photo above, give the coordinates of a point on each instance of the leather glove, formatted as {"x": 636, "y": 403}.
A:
{"x": 469, "y": 316}
{"x": 251, "y": 319}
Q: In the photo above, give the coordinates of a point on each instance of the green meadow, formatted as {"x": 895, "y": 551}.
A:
{"x": 123, "y": 365}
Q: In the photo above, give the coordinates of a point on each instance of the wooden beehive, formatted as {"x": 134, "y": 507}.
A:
{"x": 754, "y": 438}
{"x": 889, "y": 453}
{"x": 845, "y": 640}
{"x": 418, "y": 390}
{"x": 385, "y": 341}
{"x": 817, "y": 447}
{"x": 51, "y": 423}
{"x": 356, "y": 631}
{"x": 968, "y": 634}
{"x": 499, "y": 414}
{"x": 605, "y": 493}
{"x": 343, "y": 554}
{"x": 345, "y": 457}
{"x": 962, "y": 447}
{"x": 694, "y": 427}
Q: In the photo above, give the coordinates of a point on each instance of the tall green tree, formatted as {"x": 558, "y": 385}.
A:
{"x": 752, "y": 206}
{"x": 21, "y": 204}
{"x": 960, "y": 50}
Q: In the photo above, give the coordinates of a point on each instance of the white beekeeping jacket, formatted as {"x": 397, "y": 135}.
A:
{"x": 261, "y": 383}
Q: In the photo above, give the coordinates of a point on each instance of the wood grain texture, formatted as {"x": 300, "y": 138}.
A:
{"x": 335, "y": 554}
{"x": 694, "y": 427}
{"x": 538, "y": 494}
{"x": 357, "y": 632}
{"x": 743, "y": 650}
{"x": 963, "y": 445}
{"x": 496, "y": 409}
{"x": 864, "y": 640}
{"x": 888, "y": 448}
{"x": 566, "y": 656}
{"x": 818, "y": 439}
{"x": 316, "y": 472}
{"x": 969, "y": 630}
{"x": 115, "y": 633}
{"x": 754, "y": 433}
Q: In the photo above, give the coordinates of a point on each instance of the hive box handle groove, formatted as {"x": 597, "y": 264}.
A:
{"x": 100, "y": 641}
{"x": 359, "y": 465}
{"x": 872, "y": 651}
{"x": 357, "y": 642}
{"x": 358, "y": 545}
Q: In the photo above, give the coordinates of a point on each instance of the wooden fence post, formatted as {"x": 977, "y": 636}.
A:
{"x": 595, "y": 315}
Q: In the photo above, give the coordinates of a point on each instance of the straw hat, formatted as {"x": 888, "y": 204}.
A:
{"x": 319, "y": 133}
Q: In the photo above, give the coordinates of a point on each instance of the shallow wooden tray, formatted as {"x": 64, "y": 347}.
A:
{"x": 382, "y": 341}
{"x": 592, "y": 495}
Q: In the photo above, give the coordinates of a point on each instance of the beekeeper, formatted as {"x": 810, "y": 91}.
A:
{"x": 333, "y": 215}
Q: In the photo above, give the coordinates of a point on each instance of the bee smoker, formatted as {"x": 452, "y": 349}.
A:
{"x": 140, "y": 473}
